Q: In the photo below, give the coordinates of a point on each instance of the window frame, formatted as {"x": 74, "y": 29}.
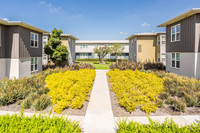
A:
{"x": 34, "y": 40}
{"x": 175, "y": 60}
{"x": 35, "y": 62}
{"x": 175, "y": 26}
{"x": 158, "y": 40}
{"x": 161, "y": 40}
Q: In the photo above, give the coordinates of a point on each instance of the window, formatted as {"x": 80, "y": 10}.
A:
{"x": 163, "y": 57}
{"x": 176, "y": 60}
{"x": 34, "y": 65}
{"x": 83, "y": 46}
{"x": 44, "y": 56}
{"x": 139, "y": 48}
{"x": 34, "y": 40}
{"x": 95, "y": 45}
{"x": 175, "y": 33}
{"x": 163, "y": 39}
{"x": 158, "y": 57}
{"x": 158, "y": 40}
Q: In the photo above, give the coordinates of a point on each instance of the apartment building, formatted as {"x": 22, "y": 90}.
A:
{"x": 20, "y": 49}
{"x": 183, "y": 43}
{"x": 147, "y": 47}
{"x": 85, "y": 49}
{"x": 67, "y": 40}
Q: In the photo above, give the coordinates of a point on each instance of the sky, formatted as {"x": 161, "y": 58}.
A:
{"x": 96, "y": 19}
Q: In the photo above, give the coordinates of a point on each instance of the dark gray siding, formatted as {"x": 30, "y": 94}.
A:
{"x": 24, "y": 44}
{"x": 3, "y": 44}
{"x": 198, "y": 32}
{"x": 187, "y": 42}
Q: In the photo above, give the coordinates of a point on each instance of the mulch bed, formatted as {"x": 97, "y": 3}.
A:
{"x": 119, "y": 111}
{"x": 17, "y": 108}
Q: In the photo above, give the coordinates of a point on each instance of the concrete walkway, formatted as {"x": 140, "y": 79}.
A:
{"x": 99, "y": 116}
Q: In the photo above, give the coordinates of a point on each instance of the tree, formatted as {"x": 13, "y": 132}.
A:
{"x": 57, "y": 52}
{"x": 101, "y": 53}
{"x": 117, "y": 50}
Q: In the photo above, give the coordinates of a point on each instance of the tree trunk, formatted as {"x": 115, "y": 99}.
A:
{"x": 116, "y": 59}
{"x": 102, "y": 61}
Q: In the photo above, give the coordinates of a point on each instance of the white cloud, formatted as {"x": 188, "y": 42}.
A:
{"x": 5, "y": 19}
{"x": 145, "y": 24}
{"x": 52, "y": 9}
{"x": 123, "y": 33}
{"x": 76, "y": 15}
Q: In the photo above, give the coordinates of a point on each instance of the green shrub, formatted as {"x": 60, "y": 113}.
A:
{"x": 168, "y": 126}
{"x": 80, "y": 66}
{"x": 96, "y": 59}
{"x": 124, "y": 65}
{"x": 37, "y": 124}
{"x": 170, "y": 101}
{"x": 179, "y": 105}
{"x": 182, "y": 88}
{"x": 154, "y": 66}
{"x": 41, "y": 103}
{"x": 191, "y": 101}
{"x": 12, "y": 91}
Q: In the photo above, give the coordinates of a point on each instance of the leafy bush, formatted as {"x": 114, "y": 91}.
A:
{"x": 154, "y": 66}
{"x": 124, "y": 65}
{"x": 70, "y": 89}
{"x": 80, "y": 66}
{"x": 184, "y": 89}
{"x": 41, "y": 103}
{"x": 15, "y": 90}
{"x": 96, "y": 59}
{"x": 179, "y": 105}
{"x": 37, "y": 124}
{"x": 168, "y": 126}
{"x": 136, "y": 89}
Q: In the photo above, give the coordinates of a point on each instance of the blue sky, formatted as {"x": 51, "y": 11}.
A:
{"x": 96, "y": 19}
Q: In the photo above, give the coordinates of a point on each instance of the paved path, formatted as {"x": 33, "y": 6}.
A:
{"x": 99, "y": 116}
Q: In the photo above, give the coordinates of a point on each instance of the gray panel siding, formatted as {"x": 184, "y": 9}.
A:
{"x": 3, "y": 42}
{"x": 25, "y": 49}
{"x": 197, "y": 33}
{"x": 187, "y": 42}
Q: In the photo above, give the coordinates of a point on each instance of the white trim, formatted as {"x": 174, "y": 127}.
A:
{"x": 34, "y": 63}
{"x": 176, "y": 33}
{"x": 34, "y": 40}
{"x": 175, "y": 60}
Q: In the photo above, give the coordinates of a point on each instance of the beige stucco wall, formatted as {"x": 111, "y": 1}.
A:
{"x": 148, "y": 52}
{"x": 64, "y": 41}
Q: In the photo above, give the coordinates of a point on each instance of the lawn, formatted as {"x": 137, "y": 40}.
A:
{"x": 97, "y": 65}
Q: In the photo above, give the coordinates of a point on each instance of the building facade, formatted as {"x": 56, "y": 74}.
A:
{"x": 85, "y": 49}
{"x": 20, "y": 49}
{"x": 183, "y": 44}
{"x": 145, "y": 47}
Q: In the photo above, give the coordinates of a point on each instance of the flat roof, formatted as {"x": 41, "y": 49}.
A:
{"x": 145, "y": 34}
{"x": 22, "y": 24}
{"x": 180, "y": 17}
{"x": 101, "y": 41}
{"x": 69, "y": 35}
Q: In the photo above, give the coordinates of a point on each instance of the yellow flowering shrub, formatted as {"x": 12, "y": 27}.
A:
{"x": 136, "y": 89}
{"x": 70, "y": 89}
